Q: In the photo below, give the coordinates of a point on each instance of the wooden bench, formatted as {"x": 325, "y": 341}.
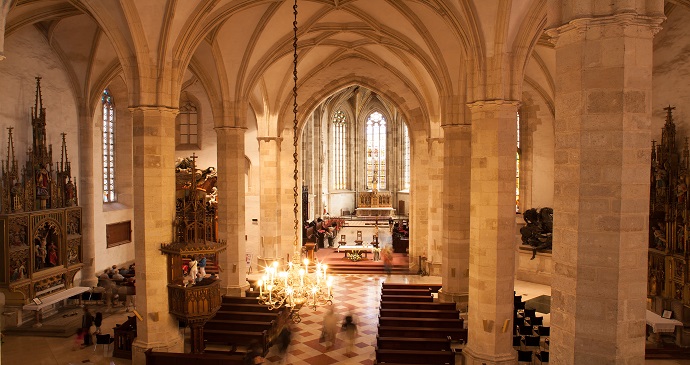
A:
{"x": 176, "y": 358}
{"x": 417, "y": 305}
{"x": 420, "y": 313}
{"x": 237, "y": 307}
{"x": 51, "y": 299}
{"x": 420, "y": 292}
{"x": 421, "y": 322}
{"x": 406, "y": 298}
{"x": 456, "y": 334}
{"x": 249, "y": 326}
{"x": 428, "y": 357}
{"x": 235, "y": 338}
{"x": 433, "y": 287}
{"x": 407, "y": 343}
{"x": 247, "y": 316}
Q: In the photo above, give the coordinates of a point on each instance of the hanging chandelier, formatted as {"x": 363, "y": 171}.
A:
{"x": 300, "y": 282}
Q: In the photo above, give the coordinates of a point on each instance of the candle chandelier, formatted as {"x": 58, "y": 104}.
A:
{"x": 300, "y": 282}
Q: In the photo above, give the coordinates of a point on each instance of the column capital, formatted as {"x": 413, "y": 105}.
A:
{"x": 154, "y": 108}
{"x": 229, "y": 128}
{"x": 279, "y": 140}
{"x": 623, "y": 20}
{"x": 492, "y": 105}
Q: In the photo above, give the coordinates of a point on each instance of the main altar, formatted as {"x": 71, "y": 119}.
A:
{"x": 40, "y": 220}
{"x": 374, "y": 204}
{"x": 668, "y": 285}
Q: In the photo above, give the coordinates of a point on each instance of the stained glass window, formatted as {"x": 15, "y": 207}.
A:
{"x": 406, "y": 158}
{"x": 108, "y": 147}
{"x": 376, "y": 151}
{"x": 188, "y": 123}
{"x": 339, "y": 125}
{"x": 517, "y": 167}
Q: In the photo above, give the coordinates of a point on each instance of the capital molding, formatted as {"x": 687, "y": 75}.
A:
{"x": 493, "y": 104}
{"x": 154, "y": 108}
{"x": 279, "y": 140}
{"x": 580, "y": 25}
{"x": 229, "y": 128}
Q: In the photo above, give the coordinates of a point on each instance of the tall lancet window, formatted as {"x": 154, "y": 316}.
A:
{"x": 108, "y": 147}
{"x": 406, "y": 158}
{"x": 517, "y": 166}
{"x": 339, "y": 125}
{"x": 188, "y": 126}
{"x": 376, "y": 151}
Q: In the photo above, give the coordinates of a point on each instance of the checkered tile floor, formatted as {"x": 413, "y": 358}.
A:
{"x": 358, "y": 295}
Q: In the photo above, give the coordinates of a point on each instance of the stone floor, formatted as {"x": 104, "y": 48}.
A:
{"x": 356, "y": 294}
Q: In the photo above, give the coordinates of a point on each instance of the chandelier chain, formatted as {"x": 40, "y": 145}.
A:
{"x": 295, "y": 192}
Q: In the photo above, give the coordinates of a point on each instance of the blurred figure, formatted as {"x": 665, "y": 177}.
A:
{"x": 349, "y": 329}
{"x": 387, "y": 254}
{"x": 284, "y": 342}
{"x": 255, "y": 354}
{"x": 97, "y": 322}
{"x": 329, "y": 328}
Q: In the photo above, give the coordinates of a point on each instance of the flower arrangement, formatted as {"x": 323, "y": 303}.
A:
{"x": 354, "y": 256}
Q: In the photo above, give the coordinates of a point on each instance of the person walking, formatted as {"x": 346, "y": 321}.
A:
{"x": 97, "y": 322}
{"x": 86, "y": 323}
{"x": 349, "y": 328}
{"x": 284, "y": 342}
{"x": 329, "y": 328}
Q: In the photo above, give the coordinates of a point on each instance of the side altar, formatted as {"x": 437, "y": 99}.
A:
{"x": 40, "y": 220}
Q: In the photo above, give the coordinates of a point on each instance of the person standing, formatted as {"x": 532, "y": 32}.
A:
{"x": 86, "y": 323}
{"x": 329, "y": 327}
{"x": 350, "y": 330}
{"x": 202, "y": 267}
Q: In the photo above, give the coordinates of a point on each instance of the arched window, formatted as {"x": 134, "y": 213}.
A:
{"x": 406, "y": 158}
{"x": 517, "y": 166}
{"x": 376, "y": 151}
{"x": 339, "y": 125}
{"x": 108, "y": 147}
{"x": 188, "y": 125}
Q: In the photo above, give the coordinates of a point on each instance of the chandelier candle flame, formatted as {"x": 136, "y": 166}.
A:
{"x": 298, "y": 283}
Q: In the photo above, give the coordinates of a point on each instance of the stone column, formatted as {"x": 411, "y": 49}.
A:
{"x": 456, "y": 214}
{"x": 492, "y": 233}
{"x": 87, "y": 196}
{"x": 601, "y": 195}
{"x": 154, "y": 211}
{"x": 420, "y": 189}
{"x": 231, "y": 224}
{"x": 5, "y": 6}
{"x": 270, "y": 221}
{"x": 434, "y": 251}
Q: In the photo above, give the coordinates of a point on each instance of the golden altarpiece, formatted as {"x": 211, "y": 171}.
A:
{"x": 669, "y": 224}
{"x": 41, "y": 243}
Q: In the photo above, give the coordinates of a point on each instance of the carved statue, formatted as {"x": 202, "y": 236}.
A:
{"x": 539, "y": 229}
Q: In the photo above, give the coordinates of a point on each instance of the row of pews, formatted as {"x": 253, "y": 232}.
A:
{"x": 530, "y": 336}
{"x": 413, "y": 329}
{"x": 239, "y": 322}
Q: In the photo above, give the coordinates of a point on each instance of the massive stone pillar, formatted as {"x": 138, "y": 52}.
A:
{"x": 154, "y": 211}
{"x": 231, "y": 224}
{"x": 434, "y": 252}
{"x": 492, "y": 233}
{"x": 87, "y": 196}
{"x": 269, "y": 161}
{"x": 601, "y": 195}
{"x": 456, "y": 213}
{"x": 5, "y": 6}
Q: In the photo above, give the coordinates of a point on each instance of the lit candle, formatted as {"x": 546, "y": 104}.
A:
{"x": 261, "y": 288}
{"x": 301, "y": 277}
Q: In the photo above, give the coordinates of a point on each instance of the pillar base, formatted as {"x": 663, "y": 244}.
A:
{"x": 473, "y": 358}
{"x": 140, "y": 347}
{"x": 234, "y": 291}
{"x": 460, "y": 299}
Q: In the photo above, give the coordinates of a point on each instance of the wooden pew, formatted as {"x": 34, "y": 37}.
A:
{"x": 406, "y": 298}
{"x": 232, "y": 338}
{"x": 175, "y": 358}
{"x": 428, "y": 357}
{"x": 246, "y": 316}
{"x": 248, "y": 326}
{"x": 406, "y": 343}
{"x": 420, "y": 313}
{"x": 420, "y": 322}
{"x": 417, "y": 305}
{"x": 413, "y": 291}
{"x": 237, "y": 307}
{"x": 240, "y": 300}
{"x": 433, "y": 287}
{"x": 455, "y": 334}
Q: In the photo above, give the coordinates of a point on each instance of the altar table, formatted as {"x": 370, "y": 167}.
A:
{"x": 661, "y": 324}
{"x": 352, "y": 248}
